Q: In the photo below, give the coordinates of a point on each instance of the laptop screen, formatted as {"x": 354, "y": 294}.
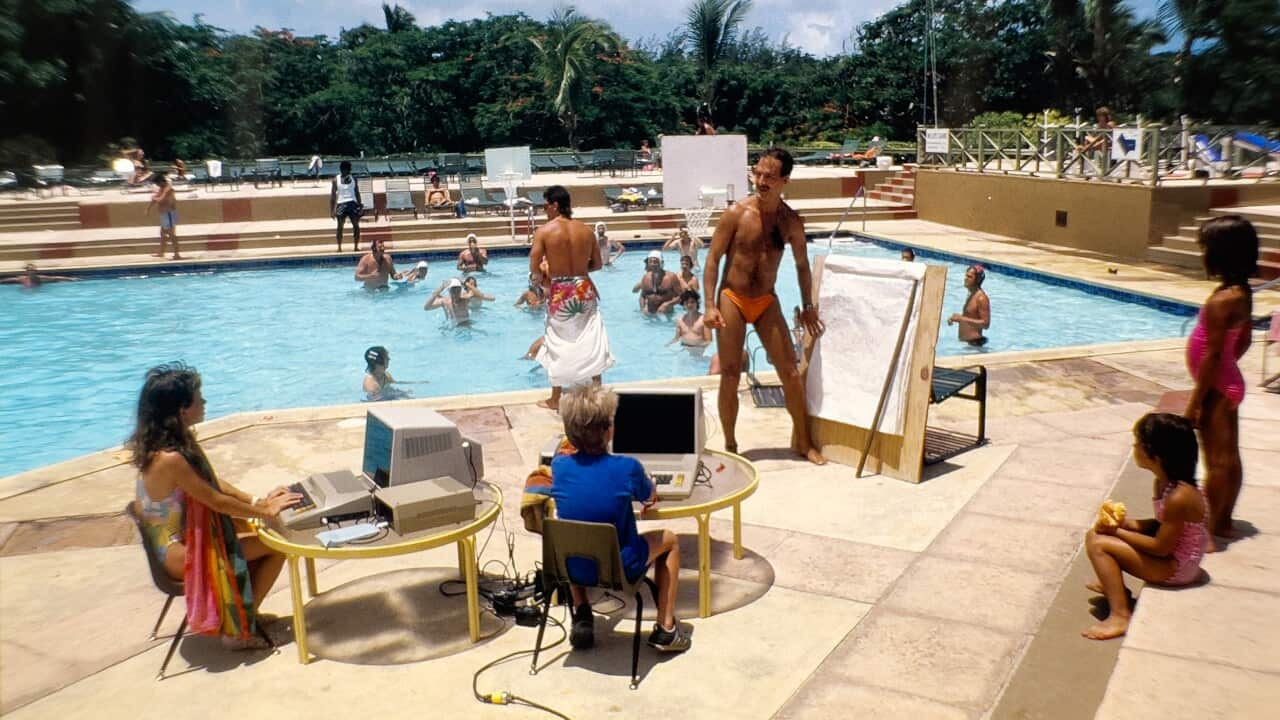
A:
{"x": 655, "y": 424}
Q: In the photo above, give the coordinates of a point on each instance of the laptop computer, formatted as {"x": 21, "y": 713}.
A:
{"x": 662, "y": 428}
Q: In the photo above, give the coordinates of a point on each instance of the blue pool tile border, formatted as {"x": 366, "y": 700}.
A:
{"x": 1164, "y": 304}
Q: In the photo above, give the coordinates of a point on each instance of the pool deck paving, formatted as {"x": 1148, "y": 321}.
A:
{"x": 959, "y": 597}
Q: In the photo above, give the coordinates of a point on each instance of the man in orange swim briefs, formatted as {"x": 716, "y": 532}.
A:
{"x": 751, "y": 236}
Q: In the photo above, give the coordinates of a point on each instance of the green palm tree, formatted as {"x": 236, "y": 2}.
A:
{"x": 1194, "y": 20}
{"x": 711, "y": 27}
{"x": 1118, "y": 37}
{"x": 565, "y": 52}
{"x": 397, "y": 18}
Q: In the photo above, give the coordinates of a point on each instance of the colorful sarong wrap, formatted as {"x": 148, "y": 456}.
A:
{"x": 575, "y": 347}
{"x": 218, "y": 592}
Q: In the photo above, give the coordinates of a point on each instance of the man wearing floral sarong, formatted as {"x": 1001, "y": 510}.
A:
{"x": 575, "y": 345}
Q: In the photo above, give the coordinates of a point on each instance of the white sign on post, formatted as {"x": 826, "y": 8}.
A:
{"x": 1126, "y": 144}
{"x": 937, "y": 140}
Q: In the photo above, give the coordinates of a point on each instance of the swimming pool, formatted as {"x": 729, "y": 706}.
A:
{"x": 72, "y": 355}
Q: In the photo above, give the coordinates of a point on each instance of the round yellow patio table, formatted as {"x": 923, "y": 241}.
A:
{"x": 302, "y": 544}
{"x": 733, "y": 479}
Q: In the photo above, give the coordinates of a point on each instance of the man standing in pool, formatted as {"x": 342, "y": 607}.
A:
{"x": 977, "y": 309}
{"x": 751, "y": 236}
{"x": 375, "y": 267}
{"x": 575, "y": 346}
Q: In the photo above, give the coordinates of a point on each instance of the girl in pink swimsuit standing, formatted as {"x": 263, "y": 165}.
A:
{"x": 1220, "y": 338}
{"x": 1165, "y": 549}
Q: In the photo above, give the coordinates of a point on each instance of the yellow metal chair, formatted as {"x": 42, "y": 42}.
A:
{"x": 596, "y": 543}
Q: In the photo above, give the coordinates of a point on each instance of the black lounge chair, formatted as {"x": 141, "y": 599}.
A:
{"x": 379, "y": 168}
{"x": 940, "y": 444}
{"x": 542, "y": 163}
{"x": 819, "y": 157}
{"x": 402, "y": 168}
{"x": 399, "y": 198}
{"x": 451, "y": 164}
{"x": 566, "y": 161}
{"x": 475, "y": 197}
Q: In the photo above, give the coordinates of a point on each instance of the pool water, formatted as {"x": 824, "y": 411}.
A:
{"x": 72, "y": 355}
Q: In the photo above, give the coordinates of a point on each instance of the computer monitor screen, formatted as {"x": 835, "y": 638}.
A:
{"x": 377, "y": 450}
{"x": 653, "y": 423}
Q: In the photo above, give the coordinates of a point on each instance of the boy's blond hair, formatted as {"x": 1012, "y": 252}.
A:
{"x": 588, "y": 413}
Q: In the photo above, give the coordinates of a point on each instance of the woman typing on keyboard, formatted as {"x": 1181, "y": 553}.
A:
{"x": 183, "y": 505}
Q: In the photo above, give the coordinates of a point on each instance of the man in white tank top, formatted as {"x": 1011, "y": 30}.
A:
{"x": 345, "y": 203}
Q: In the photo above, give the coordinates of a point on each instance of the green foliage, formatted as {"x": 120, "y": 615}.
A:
{"x": 1004, "y": 119}
{"x": 78, "y": 75}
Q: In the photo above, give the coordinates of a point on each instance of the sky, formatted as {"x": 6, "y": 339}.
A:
{"x": 819, "y": 27}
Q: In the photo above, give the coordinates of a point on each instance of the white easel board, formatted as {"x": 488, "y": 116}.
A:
{"x": 507, "y": 164}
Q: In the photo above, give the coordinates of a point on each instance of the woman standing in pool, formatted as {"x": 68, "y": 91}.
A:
{"x": 184, "y": 505}
{"x": 1220, "y": 338}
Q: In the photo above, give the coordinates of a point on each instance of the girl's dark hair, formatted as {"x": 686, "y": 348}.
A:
{"x": 376, "y": 355}
{"x": 1230, "y": 249}
{"x": 166, "y": 392}
{"x": 1171, "y": 440}
{"x": 688, "y": 295}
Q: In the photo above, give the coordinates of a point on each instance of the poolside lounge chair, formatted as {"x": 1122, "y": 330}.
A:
{"x": 267, "y": 170}
{"x": 1271, "y": 381}
{"x": 543, "y": 163}
{"x": 566, "y": 161}
{"x": 1267, "y": 148}
{"x": 475, "y": 165}
{"x": 595, "y": 544}
{"x": 379, "y": 168}
{"x": 399, "y": 198}
{"x": 816, "y": 158}
{"x": 365, "y": 186}
{"x": 947, "y": 383}
{"x": 846, "y": 151}
{"x": 402, "y": 168}
{"x": 534, "y": 195}
{"x": 868, "y": 157}
{"x": 475, "y": 198}
{"x": 451, "y": 164}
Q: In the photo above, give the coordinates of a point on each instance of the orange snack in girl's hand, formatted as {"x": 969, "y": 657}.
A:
{"x": 1111, "y": 514}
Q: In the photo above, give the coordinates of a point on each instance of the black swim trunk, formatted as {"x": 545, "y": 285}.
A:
{"x": 978, "y": 341}
{"x": 348, "y": 210}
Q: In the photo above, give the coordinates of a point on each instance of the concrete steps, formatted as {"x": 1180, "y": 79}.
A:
{"x": 899, "y": 188}
{"x": 1183, "y": 250}
{"x": 400, "y": 234}
{"x": 40, "y": 216}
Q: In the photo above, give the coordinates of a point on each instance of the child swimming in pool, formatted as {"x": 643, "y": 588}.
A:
{"x": 1221, "y": 336}
{"x": 377, "y": 381}
{"x": 1166, "y": 549}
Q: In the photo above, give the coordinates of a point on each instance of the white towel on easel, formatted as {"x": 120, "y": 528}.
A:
{"x": 862, "y": 301}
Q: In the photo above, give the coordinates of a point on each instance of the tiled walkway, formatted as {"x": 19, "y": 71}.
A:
{"x": 856, "y": 598}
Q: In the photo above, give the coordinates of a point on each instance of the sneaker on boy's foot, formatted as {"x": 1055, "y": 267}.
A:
{"x": 674, "y": 640}
{"x": 583, "y": 634}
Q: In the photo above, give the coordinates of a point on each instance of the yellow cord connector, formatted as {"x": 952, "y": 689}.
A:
{"x": 498, "y": 698}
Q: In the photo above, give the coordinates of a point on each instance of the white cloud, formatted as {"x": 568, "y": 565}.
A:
{"x": 819, "y": 27}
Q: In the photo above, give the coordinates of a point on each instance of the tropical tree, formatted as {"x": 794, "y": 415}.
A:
{"x": 1119, "y": 43}
{"x": 398, "y": 19}
{"x": 1193, "y": 20}
{"x": 566, "y": 50}
{"x": 711, "y": 28}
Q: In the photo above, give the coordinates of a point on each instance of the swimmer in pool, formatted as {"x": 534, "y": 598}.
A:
{"x": 377, "y": 381}
{"x": 691, "y": 331}
{"x": 659, "y": 289}
{"x": 688, "y": 280}
{"x": 376, "y": 267}
{"x": 31, "y": 278}
{"x": 474, "y": 258}
{"x": 417, "y": 274}
{"x": 610, "y": 250}
{"x": 450, "y": 297}
{"x": 682, "y": 241}
{"x": 976, "y": 316}
{"x": 471, "y": 292}
{"x": 534, "y": 296}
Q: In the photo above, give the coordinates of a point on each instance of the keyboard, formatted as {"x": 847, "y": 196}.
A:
{"x": 663, "y": 478}
{"x": 307, "y": 501}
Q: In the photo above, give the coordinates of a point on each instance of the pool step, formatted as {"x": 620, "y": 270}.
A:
{"x": 400, "y": 234}
{"x": 1268, "y": 263}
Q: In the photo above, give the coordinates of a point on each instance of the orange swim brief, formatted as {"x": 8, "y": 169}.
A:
{"x": 750, "y": 307}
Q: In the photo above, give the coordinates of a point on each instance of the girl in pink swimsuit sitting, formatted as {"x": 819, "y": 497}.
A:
{"x": 1220, "y": 338}
{"x": 1166, "y": 549}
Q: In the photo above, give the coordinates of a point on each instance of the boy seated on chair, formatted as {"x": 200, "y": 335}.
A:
{"x": 592, "y": 485}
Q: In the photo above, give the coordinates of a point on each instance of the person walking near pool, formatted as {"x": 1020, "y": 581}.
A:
{"x": 183, "y": 505}
{"x": 345, "y": 203}
{"x": 1220, "y": 338}
{"x": 976, "y": 315}
{"x": 474, "y": 258}
{"x": 166, "y": 202}
{"x": 751, "y": 236}
{"x": 575, "y": 345}
{"x": 376, "y": 267}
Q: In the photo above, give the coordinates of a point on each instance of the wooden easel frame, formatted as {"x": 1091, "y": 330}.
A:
{"x": 899, "y": 456}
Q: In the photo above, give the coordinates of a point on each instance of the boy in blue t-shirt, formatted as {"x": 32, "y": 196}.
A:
{"x": 594, "y": 486}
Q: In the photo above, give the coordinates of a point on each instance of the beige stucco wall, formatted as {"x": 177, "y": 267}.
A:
{"x": 1105, "y": 217}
